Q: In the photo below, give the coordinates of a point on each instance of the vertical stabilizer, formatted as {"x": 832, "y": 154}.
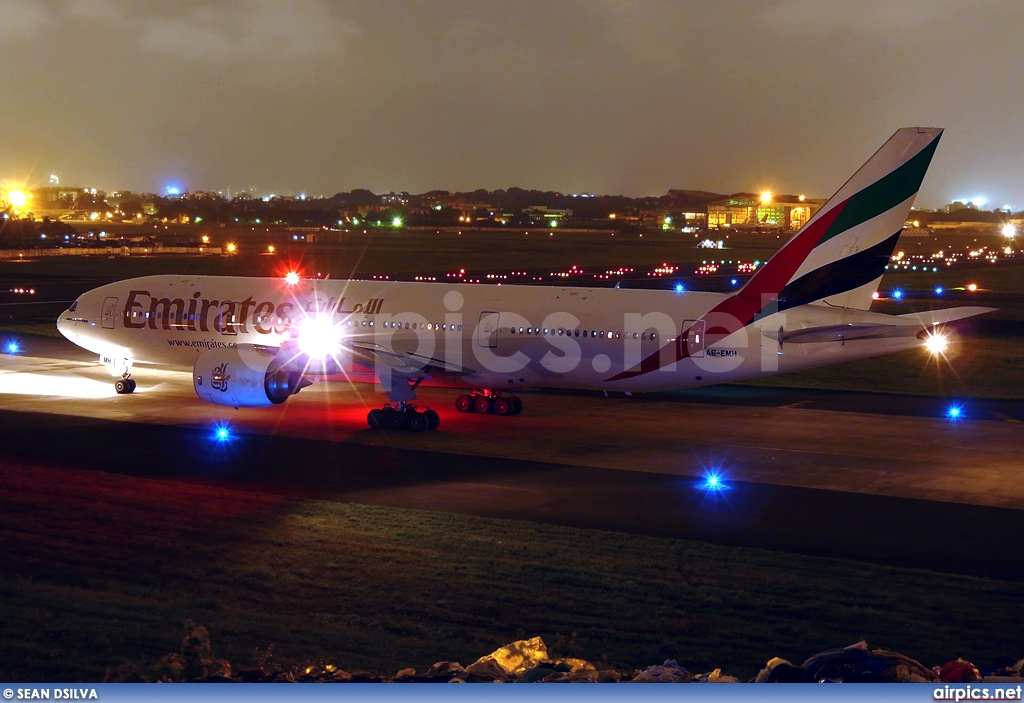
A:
{"x": 839, "y": 256}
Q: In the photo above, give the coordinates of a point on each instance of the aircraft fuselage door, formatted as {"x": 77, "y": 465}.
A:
{"x": 109, "y": 313}
{"x": 693, "y": 337}
{"x": 487, "y": 330}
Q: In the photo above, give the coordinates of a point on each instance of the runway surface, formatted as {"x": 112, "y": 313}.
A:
{"x": 859, "y": 476}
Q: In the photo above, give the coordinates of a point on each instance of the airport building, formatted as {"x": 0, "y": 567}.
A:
{"x": 765, "y": 211}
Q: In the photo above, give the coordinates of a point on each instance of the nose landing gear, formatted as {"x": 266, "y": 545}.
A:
{"x": 124, "y": 385}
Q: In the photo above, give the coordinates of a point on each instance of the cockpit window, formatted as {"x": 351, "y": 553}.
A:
{"x": 74, "y": 306}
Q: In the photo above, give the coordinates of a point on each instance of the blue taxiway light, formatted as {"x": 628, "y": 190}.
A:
{"x": 939, "y": 290}
{"x": 680, "y": 288}
{"x": 12, "y": 347}
{"x": 713, "y": 482}
{"x": 897, "y": 294}
{"x": 954, "y": 412}
{"x": 734, "y": 281}
{"x": 222, "y": 433}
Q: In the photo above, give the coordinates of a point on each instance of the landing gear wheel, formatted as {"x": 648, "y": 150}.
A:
{"x": 433, "y": 420}
{"x": 124, "y": 386}
{"x": 517, "y": 405}
{"x": 131, "y": 385}
{"x": 375, "y": 419}
{"x": 415, "y": 421}
{"x": 464, "y": 404}
{"x": 482, "y": 404}
{"x": 503, "y": 406}
{"x": 392, "y": 419}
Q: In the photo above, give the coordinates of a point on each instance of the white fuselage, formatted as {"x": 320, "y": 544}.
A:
{"x": 484, "y": 336}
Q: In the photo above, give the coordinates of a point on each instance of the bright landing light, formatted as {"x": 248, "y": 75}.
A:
{"x": 1009, "y": 231}
{"x": 319, "y": 337}
{"x": 936, "y": 343}
{"x": 291, "y": 278}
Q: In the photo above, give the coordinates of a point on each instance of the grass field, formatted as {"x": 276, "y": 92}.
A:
{"x": 103, "y": 569}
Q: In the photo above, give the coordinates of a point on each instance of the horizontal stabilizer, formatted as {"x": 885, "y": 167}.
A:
{"x": 930, "y": 318}
{"x": 909, "y": 325}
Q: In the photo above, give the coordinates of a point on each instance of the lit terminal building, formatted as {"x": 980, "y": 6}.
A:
{"x": 764, "y": 211}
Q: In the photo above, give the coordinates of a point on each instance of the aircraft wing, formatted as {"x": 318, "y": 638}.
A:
{"x": 405, "y": 363}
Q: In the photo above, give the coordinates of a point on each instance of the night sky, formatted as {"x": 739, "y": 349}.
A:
{"x": 603, "y": 96}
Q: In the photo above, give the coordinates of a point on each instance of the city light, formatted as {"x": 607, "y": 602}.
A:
{"x": 232, "y": 248}
{"x": 766, "y": 197}
{"x": 17, "y": 198}
{"x": 206, "y": 239}
{"x": 396, "y": 221}
{"x": 972, "y": 287}
{"x": 173, "y": 190}
{"x": 271, "y": 249}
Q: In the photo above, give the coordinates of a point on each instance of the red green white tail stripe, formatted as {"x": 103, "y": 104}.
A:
{"x": 838, "y": 257}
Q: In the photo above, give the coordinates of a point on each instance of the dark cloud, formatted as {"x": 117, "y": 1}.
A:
{"x": 608, "y": 96}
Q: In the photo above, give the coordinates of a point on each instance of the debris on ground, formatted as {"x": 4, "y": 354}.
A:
{"x": 530, "y": 661}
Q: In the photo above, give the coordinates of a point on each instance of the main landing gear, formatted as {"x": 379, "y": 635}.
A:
{"x": 124, "y": 385}
{"x": 487, "y": 401}
{"x": 403, "y": 416}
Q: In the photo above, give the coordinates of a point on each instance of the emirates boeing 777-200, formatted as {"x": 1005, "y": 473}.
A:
{"x": 257, "y": 341}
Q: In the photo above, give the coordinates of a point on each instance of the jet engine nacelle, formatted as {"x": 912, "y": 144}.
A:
{"x": 245, "y": 376}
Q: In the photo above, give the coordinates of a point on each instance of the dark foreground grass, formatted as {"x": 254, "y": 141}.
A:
{"x": 100, "y": 570}
{"x": 39, "y": 328}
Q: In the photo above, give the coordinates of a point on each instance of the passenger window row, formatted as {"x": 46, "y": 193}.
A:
{"x": 593, "y": 334}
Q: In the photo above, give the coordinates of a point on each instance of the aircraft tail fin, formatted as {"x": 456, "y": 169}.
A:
{"x": 839, "y": 256}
